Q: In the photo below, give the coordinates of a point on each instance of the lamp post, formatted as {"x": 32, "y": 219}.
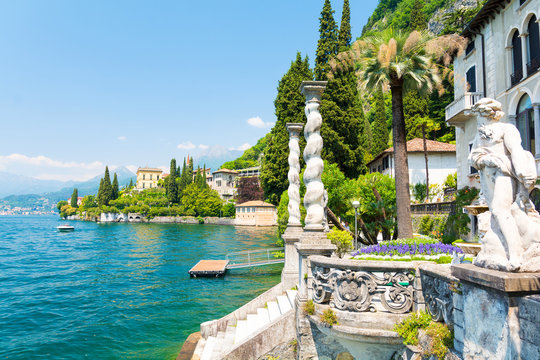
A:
{"x": 355, "y": 205}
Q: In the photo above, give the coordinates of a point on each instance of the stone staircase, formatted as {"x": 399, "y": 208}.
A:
{"x": 216, "y": 347}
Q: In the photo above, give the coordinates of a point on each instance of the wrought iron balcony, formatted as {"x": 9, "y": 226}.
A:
{"x": 516, "y": 77}
{"x": 455, "y": 112}
{"x": 533, "y": 65}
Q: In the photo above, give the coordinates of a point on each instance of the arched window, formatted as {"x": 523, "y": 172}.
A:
{"x": 517, "y": 64}
{"x": 533, "y": 42}
{"x": 525, "y": 122}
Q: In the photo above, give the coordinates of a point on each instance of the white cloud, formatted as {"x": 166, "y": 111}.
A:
{"x": 242, "y": 147}
{"x": 44, "y": 168}
{"x": 188, "y": 145}
{"x": 132, "y": 168}
{"x": 122, "y": 138}
{"x": 259, "y": 123}
{"x": 203, "y": 147}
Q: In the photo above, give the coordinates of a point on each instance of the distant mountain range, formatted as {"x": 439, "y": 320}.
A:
{"x": 215, "y": 156}
{"x": 23, "y": 191}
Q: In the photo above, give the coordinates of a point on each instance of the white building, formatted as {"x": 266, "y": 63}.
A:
{"x": 224, "y": 182}
{"x": 501, "y": 62}
{"x": 441, "y": 161}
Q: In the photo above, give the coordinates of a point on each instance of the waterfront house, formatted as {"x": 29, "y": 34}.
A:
{"x": 147, "y": 178}
{"x": 441, "y": 161}
{"x": 224, "y": 182}
{"x": 501, "y": 62}
{"x": 256, "y": 213}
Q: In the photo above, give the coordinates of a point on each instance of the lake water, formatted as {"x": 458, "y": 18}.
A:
{"x": 110, "y": 291}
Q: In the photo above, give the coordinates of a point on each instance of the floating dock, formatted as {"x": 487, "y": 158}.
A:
{"x": 209, "y": 268}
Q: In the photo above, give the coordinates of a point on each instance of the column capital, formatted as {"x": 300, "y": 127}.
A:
{"x": 294, "y": 129}
{"x": 536, "y": 105}
{"x": 313, "y": 90}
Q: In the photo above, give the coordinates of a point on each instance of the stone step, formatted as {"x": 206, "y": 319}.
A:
{"x": 262, "y": 317}
{"x": 208, "y": 348}
{"x": 218, "y": 347}
{"x": 228, "y": 341}
{"x": 252, "y": 323}
{"x": 197, "y": 353}
{"x": 273, "y": 310}
{"x": 284, "y": 304}
{"x": 241, "y": 331}
{"x": 291, "y": 294}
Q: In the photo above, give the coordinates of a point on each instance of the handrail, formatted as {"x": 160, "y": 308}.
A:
{"x": 249, "y": 258}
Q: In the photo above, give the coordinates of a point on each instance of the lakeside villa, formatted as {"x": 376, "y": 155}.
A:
{"x": 256, "y": 213}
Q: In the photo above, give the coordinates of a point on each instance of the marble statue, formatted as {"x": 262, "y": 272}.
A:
{"x": 510, "y": 230}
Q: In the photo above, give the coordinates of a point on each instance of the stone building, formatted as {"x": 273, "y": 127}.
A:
{"x": 501, "y": 62}
{"x": 441, "y": 161}
{"x": 256, "y": 213}
{"x": 224, "y": 182}
{"x": 147, "y": 178}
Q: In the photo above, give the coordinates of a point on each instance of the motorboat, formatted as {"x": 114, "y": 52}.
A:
{"x": 65, "y": 228}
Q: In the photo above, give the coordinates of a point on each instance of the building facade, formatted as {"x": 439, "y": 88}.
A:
{"x": 256, "y": 213}
{"x": 224, "y": 182}
{"x": 441, "y": 161}
{"x": 147, "y": 178}
{"x": 501, "y": 62}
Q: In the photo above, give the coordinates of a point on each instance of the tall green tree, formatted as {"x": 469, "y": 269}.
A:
{"x": 130, "y": 183}
{"x": 74, "y": 198}
{"x": 402, "y": 61}
{"x": 114, "y": 187}
{"x": 418, "y": 20}
{"x": 106, "y": 189}
{"x": 328, "y": 41}
{"x": 171, "y": 187}
{"x": 289, "y": 105}
{"x": 380, "y": 129}
{"x": 344, "y": 40}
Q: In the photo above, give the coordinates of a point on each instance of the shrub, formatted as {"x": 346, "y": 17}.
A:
{"x": 419, "y": 191}
{"x": 342, "y": 240}
{"x": 200, "y": 219}
{"x": 426, "y": 225}
{"x": 441, "y": 339}
{"x": 329, "y": 318}
{"x": 309, "y": 307}
{"x": 457, "y": 224}
{"x": 451, "y": 181}
{"x": 408, "y": 328}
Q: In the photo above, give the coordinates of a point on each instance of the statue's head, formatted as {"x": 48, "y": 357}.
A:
{"x": 488, "y": 109}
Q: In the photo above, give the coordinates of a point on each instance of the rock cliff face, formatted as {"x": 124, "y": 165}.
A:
{"x": 435, "y": 24}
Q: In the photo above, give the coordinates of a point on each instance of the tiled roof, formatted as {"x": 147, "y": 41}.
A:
{"x": 256, "y": 203}
{"x": 149, "y": 169}
{"x": 226, "y": 171}
{"x": 417, "y": 145}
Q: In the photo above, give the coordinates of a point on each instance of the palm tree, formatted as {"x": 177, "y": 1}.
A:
{"x": 401, "y": 61}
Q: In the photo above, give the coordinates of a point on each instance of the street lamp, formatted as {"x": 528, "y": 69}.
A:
{"x": 355, "y": 205}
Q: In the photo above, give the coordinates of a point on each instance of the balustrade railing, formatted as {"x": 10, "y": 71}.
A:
{"x": 516, "y": 77}
{"x": 461, "y": 104}
{"x": 447, "y": 207}
{"x": 533, "y": 65}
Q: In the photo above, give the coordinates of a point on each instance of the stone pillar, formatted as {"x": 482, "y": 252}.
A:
{"x": 496, "y": 314}
{"x": 313, "y": 240}
{"x": 536, "y": 107}
{"x": 524, "y": 55}
{"x": 289, "y": 275}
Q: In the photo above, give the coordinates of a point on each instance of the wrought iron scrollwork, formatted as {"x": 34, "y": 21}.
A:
{"x": 356, "y": 291}
{"x": 438, "y": 297}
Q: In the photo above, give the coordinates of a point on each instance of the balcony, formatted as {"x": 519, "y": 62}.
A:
{"x": 456, "y": 111}
{"x": 516, "y": 77}
{"x": 533, "y": 65}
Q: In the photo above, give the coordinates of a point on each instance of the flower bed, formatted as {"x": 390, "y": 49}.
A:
{"x": 408, "y": 250}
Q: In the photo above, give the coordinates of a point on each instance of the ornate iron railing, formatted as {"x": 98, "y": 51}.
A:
{"x": 447, "y": 207}
{"x": 533, "y": 65}
{"x": 516, "y": 77}
{"x": 358, "y": 286}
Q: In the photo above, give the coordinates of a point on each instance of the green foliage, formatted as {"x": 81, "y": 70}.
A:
{"x": 419, "y": 191}
{"x": 418, "y": 20}
{"x": 408, "y": 328}
{"x": 250, "y": 157}
{"x": 74, "y": 198}
{"x": 457, "y": 225}
{"x": 342, "y": 240}
{"x": 329, "y": 318}
{"x": 60, "y": 204}
{"x": 228, "y": 210}
{"x": 283, "y": 214}
{"x": 455, "y": 21}
{"x": 432, "y": 225}
{"x": 451, "y": 181}
{"x": 309, "y": 307}
{"x": 441, "y": 339}
{"x": 380, "y": 124}
{"x": 344, "y": 39}
{"x": 201, "y": 201}
{"x": 105, "y": 189}
{"x": 327, "y": 45}
{"x": 289, "y": 106}
{"x": 114, "y": 188}
{"x": 171, "y": 185}
{"x": 67, "y": 210}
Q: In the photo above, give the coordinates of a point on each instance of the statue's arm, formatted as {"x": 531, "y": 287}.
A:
{"x": 522, "y": 160}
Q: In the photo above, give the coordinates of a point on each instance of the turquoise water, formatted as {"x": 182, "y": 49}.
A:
{"x": 110, "y": 291}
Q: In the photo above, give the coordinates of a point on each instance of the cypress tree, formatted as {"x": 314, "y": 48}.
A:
{"x": 100, "y": 192}
{"x": 289, "y": 105}
{"x": 171, "y": 187}
{"x": 380, "y": 128}
{"x": 184, "y": 178}
{"x": 106, "y": 193}
{"x": 418, "y": 20}
{"x": 328, "y": 41}
{"x": 345, "y": 27}
{"x": 74, "y": 198}
{"x": 130, "y": 183}
{"x": 114, "y": 187}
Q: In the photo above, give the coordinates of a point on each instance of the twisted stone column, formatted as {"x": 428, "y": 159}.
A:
{"x": 312, "y": 155}
{"x": 294, "y": 173}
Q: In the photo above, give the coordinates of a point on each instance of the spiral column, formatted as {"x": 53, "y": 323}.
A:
{"x": 289, "y": 275}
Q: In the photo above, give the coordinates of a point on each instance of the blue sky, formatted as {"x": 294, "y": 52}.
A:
{"x": 135, "y": 83}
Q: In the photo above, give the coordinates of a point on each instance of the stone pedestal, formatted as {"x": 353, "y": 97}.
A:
{"x": 497, "y": 314}
{"x": 289, "y": 275}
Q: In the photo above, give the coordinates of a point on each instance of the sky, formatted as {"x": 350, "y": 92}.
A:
{"x": 84, "y": 84}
